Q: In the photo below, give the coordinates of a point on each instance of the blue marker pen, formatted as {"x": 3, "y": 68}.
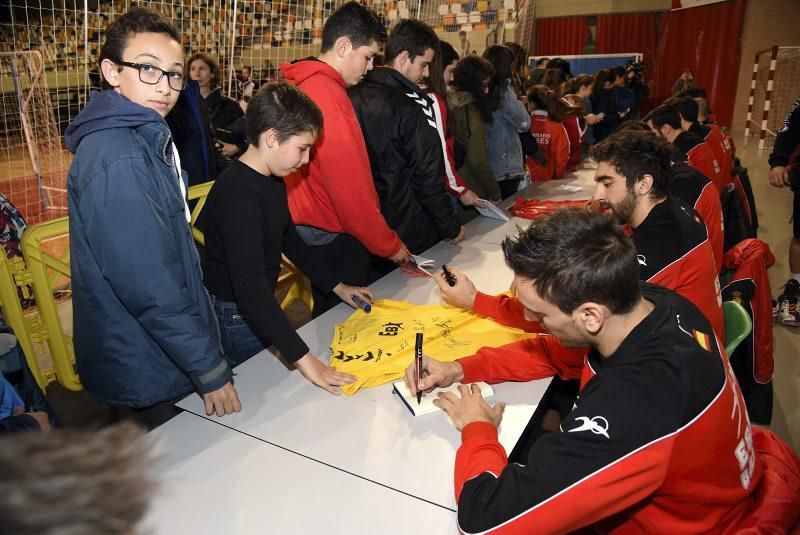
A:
{"x": 363, "y": 305}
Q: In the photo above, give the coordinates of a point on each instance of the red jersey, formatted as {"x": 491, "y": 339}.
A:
{"x": 553, "y": 139}
{"x": 335, "y": 191}
{"x": 700, "y": 157}
{"x": 634, "y": 455}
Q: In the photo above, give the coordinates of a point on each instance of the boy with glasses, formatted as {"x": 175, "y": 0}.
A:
{"x": 145, "y": 333}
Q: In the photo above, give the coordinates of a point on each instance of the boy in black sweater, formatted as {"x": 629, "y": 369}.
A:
{"x": 247, "y": 228}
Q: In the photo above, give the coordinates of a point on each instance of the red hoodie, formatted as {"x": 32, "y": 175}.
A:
{"x": 552, "y": 138}
{"x": 335, "y": 191}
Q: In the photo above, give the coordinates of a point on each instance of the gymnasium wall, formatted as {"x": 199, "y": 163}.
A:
{"x": 766, "y": 23}
{"x": 567, "y": 8}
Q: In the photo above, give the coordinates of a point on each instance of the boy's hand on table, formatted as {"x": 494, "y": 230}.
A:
{"x": 323, "y": 376}
{"x": 222, "y": 401}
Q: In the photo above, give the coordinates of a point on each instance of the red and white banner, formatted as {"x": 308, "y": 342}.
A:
{"x": 683, "y": 4}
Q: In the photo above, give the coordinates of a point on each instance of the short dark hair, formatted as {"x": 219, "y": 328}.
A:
{"x": 541, "y": 60}
{"x": 560, "y": 64}
{"x": 77, "y": 481}
{"x": 137, "y": 20}
{"x": 448, "y": 53}
{"x": 573, "y": 256}
{"x": 665, "y": 115}
{"x": 411, "y": 35}
{"x": 618, "y": 71}
{"x": 357, "y": 22}
{"x": 634, "y": 154}
{"x": 687, "y": 108}
{"x": 283, "y": 107}
{"x": 216, "y": 79}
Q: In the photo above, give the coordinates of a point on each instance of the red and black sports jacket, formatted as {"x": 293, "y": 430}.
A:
{"x": 700, "y": 157}
{"x": 673, "y": 250}
{"x": 713, "y": 137}
{"x": 658, "y": 441}
{"x": 693, "y": 188}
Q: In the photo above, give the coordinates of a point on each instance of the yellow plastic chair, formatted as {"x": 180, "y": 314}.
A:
{"x": 31, "y": 334}
{"x": 738, "y": 325}
{"x": 290, "y": 275}
{"x": 45, "y": 269}
{"x": 298, "y": 289}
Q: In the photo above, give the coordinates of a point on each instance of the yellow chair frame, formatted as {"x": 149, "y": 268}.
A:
{"x": 30, "y": 333}
{"x": 45, "y": 269}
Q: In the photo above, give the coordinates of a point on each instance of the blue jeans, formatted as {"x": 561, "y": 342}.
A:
{"x": 238, "y": 340}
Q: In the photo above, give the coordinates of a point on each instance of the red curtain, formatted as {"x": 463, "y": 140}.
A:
{"x": 705, "y": 39}
{"x": 629, "y": 32}
{"x": 561, "y": 36}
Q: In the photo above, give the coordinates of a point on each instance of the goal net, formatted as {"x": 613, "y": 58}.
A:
{"x": 774, "y": 87}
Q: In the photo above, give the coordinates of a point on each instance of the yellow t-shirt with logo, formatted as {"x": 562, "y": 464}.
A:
{"x": 377, "y": 347}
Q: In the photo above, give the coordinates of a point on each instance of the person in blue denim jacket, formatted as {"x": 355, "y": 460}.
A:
{"x": 145, "y": 332}
{"x": 509, "y": 119}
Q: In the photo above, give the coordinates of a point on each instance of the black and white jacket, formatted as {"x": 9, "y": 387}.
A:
{"x": 405, "y": 155}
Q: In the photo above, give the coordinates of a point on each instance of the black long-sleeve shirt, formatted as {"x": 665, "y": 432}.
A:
{"x": 787, "y": 142}
{"x": 247, "y": 226}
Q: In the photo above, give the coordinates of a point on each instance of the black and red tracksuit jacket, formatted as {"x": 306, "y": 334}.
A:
{"x": 715, "y": 139}
{"x": 750, "y": 260}
{"x": 673, "y": 250}
{"x": 659, "y": 441}
{"x": 752, "y": 361}
{"x": 693, "y": 188}
{"x": 700, "y": 157}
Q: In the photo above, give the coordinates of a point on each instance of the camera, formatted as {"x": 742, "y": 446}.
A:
{"x": 635, "y": 71}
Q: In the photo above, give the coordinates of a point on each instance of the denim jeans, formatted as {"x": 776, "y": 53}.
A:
{"x": 238, "y": 340}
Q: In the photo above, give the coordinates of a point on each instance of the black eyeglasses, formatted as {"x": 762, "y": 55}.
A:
{"x": 150, "y": 74}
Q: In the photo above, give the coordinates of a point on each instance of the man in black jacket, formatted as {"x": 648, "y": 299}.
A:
{"x": 784, "y": 163}
{"x": 402, "y": 141}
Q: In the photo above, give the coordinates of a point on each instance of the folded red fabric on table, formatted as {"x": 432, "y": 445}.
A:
{"x": 533, "y": 208}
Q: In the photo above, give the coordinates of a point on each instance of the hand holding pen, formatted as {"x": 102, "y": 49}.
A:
{"x": 418, "y": 365}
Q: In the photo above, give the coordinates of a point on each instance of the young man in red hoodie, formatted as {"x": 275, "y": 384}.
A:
{"x": 332, "y": 200}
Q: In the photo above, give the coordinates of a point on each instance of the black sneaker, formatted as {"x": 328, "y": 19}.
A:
{"x": 789, "y": 304}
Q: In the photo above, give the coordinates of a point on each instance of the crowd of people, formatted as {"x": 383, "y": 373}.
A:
{"x": 350, "y": 170}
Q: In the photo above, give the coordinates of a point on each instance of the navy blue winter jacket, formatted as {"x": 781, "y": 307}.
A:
{"x": 144, "y": 328}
